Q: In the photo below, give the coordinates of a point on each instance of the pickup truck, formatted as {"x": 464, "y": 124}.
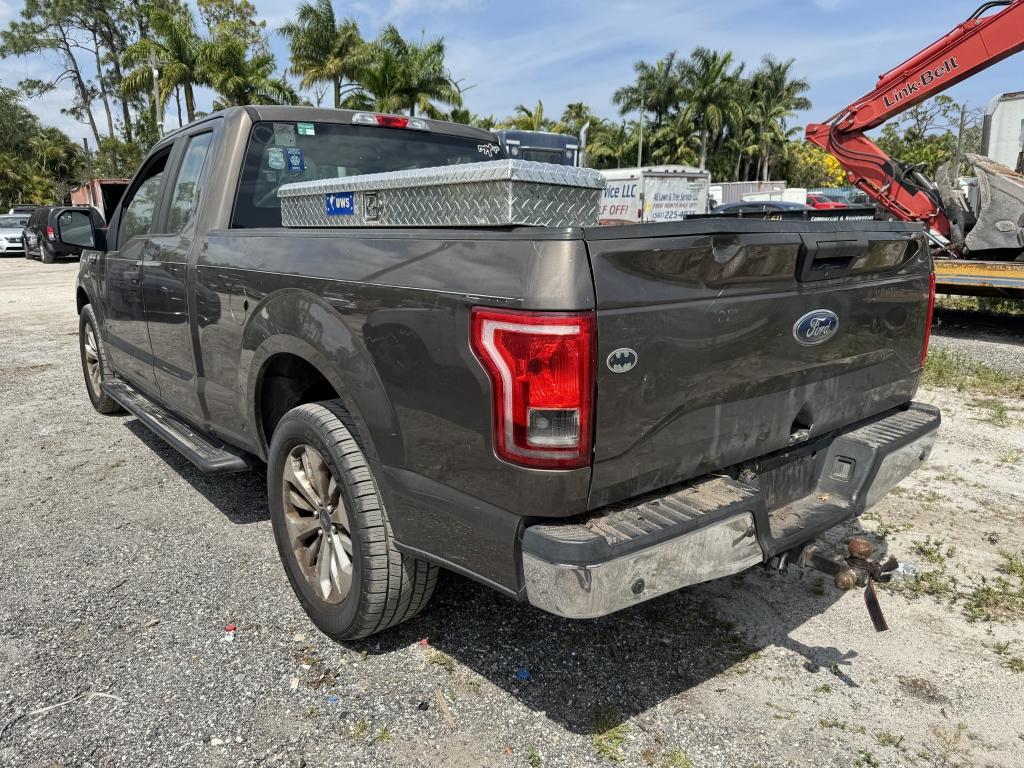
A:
{"x": 582, "y": 418}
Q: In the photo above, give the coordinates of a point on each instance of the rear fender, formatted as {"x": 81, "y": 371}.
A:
{"x": 302, "y": 324}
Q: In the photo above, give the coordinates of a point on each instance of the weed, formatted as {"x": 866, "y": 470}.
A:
{"x": 886, "y": 528}
{"x": 1002, "y": 648}
{"x": 999, "y": 599}
{"x": 889, "y": 739}
{"x": 957, "y": 371}
{"x": 359, "y": 729}
{"x": 1015, "y": 664}
{"x": 1011, "y": 456}
{"x": 866, "y": 759}
{"x": 533, "y": 757}
{"x": 677, "y": 759}
{"x": 441, "y": 659}
{"x": 609, "y": 733}
{"x": 998, "y": 414}
{"x": 381, "y": 735}
{"x": 832, "y": 722}
{"x": 946, "y": 748}
{"x": 934, "y": 551}
{"x": 823, "y": 688}
{"x": 819, "y": 587}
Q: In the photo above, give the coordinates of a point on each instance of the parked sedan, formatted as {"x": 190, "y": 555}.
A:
{"x": 11, "y": 243}
{"x": 41, "y": 235}
{"x": 826, "y": 203}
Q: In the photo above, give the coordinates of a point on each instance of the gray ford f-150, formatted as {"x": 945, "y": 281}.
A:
{"x": 582, "y": 418}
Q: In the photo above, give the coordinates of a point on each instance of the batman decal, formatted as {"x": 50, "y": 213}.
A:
{"x": 622, "y": 360}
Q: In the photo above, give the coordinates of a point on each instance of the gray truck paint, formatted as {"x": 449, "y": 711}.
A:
{"x": 193, "y": 319}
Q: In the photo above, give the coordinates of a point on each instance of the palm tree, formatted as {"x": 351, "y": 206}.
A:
{"x": 526, "y": 119}
{"x": 177, "y": 48}
{"x": 323, "y": 50}
{"x": 777, "y": 97}
{"x": 657, "y": 89}
{"x": 402, "y": 75}
{"x": 240, "y": 79}
{"x": 709, "y": 87}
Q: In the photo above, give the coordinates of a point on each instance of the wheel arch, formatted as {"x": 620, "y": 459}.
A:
{"x": 298, "y": 341}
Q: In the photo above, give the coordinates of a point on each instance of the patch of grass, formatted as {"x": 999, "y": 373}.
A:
{"x": 866, "y": 759}
{"x": 1000, "y": 598}
{"x": 998, "y": 413}
{"x": 953, "y": 370}
{"x": 381, "y": 735}
{"x": 832, "y": 722}
{"x": 533, "y": 757}
{"x": 1011, "y": 456}
{"x": 676, "y": 758}
{"x": 609, "y": 733}
{"x": 934, "y": 551}
{"x": 1001, "y": 649}
{"x": 936, "y": 583}
{"x": 889, "y": 739}
{"x": 823, "y": 688}
{"x": 1015, "y": 664}
{"x": 441, "y": 659}
{"x": 980, "y": 304}
{"x": 946, "y": 749}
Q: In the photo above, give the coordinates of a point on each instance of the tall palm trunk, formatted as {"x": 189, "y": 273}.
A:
{"x": 103, "y": 86}
{"x": 703, "y": 148}
{"x": 337, "y": 93}
{"x": 190, "y": 102}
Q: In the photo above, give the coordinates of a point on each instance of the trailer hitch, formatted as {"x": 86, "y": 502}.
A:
{"x": 856, "y": 570}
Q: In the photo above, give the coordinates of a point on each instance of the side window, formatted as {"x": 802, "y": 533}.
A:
{"x": 137, "y": 215}
{"x": 185, "y": 197}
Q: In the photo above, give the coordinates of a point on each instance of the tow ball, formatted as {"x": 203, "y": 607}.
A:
{"x": 856, "y": 570}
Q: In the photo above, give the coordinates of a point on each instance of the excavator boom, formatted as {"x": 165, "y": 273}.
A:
{"x": 973, "y": 46}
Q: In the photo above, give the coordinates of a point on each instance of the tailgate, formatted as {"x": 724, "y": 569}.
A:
{"x": 749, "y": 336}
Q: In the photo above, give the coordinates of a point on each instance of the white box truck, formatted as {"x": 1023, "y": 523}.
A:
{"x": 653, "y": 194}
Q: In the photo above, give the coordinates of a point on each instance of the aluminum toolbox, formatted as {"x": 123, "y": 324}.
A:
{"x": 495, "y": 193}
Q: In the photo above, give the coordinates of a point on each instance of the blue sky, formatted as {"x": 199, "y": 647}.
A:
{"x": 576, "y": 50}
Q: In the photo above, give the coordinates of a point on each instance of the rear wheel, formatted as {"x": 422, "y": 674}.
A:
{"x": 94, "y": 361}
{"x": 333, "y": 533}
{"x": 46, "y": 255}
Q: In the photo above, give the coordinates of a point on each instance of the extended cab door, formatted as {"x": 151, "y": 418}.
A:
{"x": 124, "y": 319}
{"x": 166, "y": 276}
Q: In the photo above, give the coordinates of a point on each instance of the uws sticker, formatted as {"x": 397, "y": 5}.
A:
{"x": 816, "y": 327}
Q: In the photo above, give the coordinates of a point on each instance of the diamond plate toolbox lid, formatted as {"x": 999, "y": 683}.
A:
{"x": 496, "y": 193}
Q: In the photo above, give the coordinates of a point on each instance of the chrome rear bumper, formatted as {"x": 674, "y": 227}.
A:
{"x": 716, "y": 526}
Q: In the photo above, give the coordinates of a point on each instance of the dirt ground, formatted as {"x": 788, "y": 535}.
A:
{"x": 120, "y": 566}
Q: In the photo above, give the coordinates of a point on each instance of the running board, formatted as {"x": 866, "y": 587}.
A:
{"x": 208, "y": 456}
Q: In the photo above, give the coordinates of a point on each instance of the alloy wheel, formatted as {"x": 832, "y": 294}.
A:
{"x": 317, "y": 523}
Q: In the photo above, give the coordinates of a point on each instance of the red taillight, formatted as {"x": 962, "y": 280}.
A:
{"x": 929, "y": 317}
{"x": 541, "y": 366}
{"x": 50, "y": 234}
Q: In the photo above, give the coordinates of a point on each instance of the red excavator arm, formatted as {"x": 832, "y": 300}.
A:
{"x": 971, "y": 47}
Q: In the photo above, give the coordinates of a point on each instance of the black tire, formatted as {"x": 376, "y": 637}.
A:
{"x": 24, "y": 244}
{"x": 387, "y": 587}
{"x": 46, "y": 255}
{"x": 100, "y": 401}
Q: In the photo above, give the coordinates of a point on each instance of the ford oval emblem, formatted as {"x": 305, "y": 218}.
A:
{"x": 816, "y": 327}
{"x": 622, "y": 360}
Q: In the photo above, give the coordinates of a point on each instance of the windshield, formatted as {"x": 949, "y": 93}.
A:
{"x": 285, "y": 152}
{"x": 13, "y": 222}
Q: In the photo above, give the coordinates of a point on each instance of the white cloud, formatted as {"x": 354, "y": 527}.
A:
{"x": 6, "y": 12}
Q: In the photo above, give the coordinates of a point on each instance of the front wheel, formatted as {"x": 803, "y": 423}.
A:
{"x": 94, "y": 361}
{"x": 332, "y": 531}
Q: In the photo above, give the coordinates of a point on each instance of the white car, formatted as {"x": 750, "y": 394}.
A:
{"x": 11, "y": 225}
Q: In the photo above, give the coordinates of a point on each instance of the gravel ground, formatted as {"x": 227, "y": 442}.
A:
{"x": 121, "y": 565}
{"x": 997, "y": 340}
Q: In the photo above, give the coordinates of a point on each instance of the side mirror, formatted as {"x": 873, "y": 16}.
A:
{"x": 76, "y": 228}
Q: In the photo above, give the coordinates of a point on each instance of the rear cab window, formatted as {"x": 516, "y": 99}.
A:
{"x": 285, "y": 152}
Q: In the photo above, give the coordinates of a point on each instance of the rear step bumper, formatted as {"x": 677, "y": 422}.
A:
{"x": 716, "y": 526}
{"x": 209, "y": 456}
